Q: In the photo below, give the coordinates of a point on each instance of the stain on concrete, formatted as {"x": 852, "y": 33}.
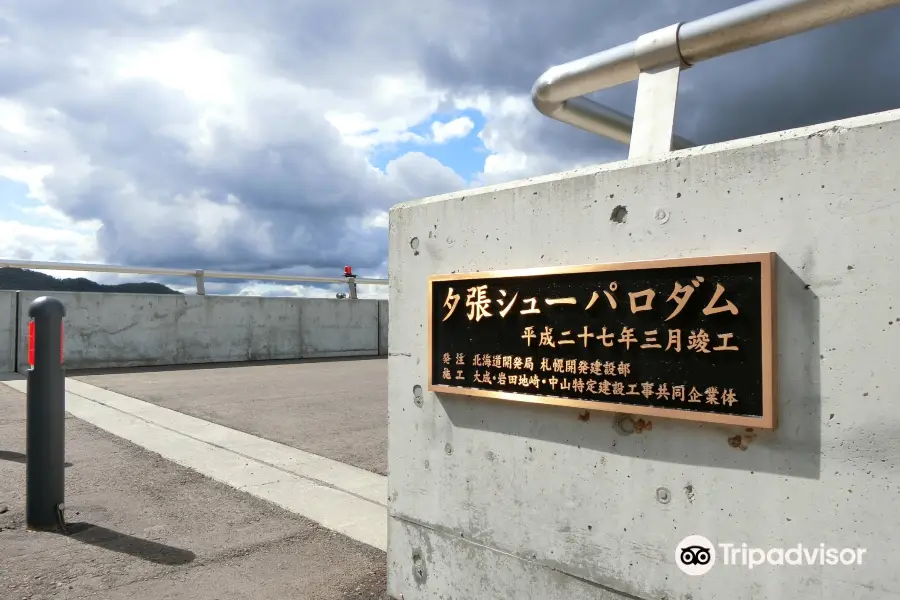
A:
{"x": 420, "y": 570}
{"x": 689, "y": 492}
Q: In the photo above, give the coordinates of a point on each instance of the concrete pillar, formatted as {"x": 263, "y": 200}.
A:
{"x": 498, "y": 499}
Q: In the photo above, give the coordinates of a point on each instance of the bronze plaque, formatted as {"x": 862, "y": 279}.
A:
{"x": 683, "y": 338}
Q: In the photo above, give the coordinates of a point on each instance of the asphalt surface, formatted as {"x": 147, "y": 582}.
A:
{"x": 143, "y": 528}
{"x": 333, "y": 408}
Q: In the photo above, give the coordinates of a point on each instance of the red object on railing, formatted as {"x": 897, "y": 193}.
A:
{"x": 31, "y": 343}
{"x": 62, "y": 343}
{"x": 348, "y": 271}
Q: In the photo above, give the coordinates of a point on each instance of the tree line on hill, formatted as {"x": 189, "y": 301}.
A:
{"x": 12, "y": 278}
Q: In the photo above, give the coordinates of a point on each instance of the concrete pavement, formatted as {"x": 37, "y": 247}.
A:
{"x": 341, "y": 497}
{"x": 336, "y": 408}
{"x": 145, "y": 527}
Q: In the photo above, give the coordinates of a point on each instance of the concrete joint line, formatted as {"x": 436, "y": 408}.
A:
{"x": 455, "y": 536}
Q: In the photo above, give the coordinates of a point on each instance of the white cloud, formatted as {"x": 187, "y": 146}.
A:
{"x": 417, "y": 173}
{"x": 378, "y": 292}
{"x": 187, "y": 64}
{"x": 58, "y": 240}
{"x": 395, "y": 104}
{"x": 379, "y": 220}
{"x": 510, "y": 123}
{"x": 457, "y": 128}
{"x": 14, "y": 121}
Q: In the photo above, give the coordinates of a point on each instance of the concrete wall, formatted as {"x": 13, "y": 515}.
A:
{"x": 123, "y": 330}
{"x": 338, "y": 327}
{"x": 495, "y": 499}
{"x": 7, "y": 331}
{"x": 383, "y": 313}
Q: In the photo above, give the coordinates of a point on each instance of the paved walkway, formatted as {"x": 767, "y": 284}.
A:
{"x": 343, "y": 498}
{"x": 333, "y": 408}
{"x": 143, "y": 527}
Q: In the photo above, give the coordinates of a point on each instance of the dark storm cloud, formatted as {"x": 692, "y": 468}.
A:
{"x": 839, "y": 71}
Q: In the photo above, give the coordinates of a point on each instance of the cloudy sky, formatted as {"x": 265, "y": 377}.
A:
{"x": 274, "y": 135}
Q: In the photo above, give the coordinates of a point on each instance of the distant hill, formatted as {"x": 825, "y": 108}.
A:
{"x": 12, "y": 278}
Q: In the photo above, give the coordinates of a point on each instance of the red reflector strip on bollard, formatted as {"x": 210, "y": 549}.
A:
{"x": 31, "y": 343}
{"x": 62, "y": 343}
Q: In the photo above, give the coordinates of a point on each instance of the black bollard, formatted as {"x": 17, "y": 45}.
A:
{"x": 45, "y": 421}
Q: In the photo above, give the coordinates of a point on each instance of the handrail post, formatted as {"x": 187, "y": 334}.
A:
{"x": 201, "y": 286}
{"x": 45, "y": 417}
{"x": 660, "y": 63}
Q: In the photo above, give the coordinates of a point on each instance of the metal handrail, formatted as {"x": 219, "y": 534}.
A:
{"x": 198, "y": 274}
{"x": 559, "y": 92}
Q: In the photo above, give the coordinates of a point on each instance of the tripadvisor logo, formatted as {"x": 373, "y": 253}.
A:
{"x": 696, "y": 555}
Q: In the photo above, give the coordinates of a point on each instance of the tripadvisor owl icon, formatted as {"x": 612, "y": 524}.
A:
{"x": 695, "y": 555}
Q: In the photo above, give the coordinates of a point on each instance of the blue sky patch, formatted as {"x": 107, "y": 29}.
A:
{"x": 13, "y": 199}
{"x": 464, "y": 155}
